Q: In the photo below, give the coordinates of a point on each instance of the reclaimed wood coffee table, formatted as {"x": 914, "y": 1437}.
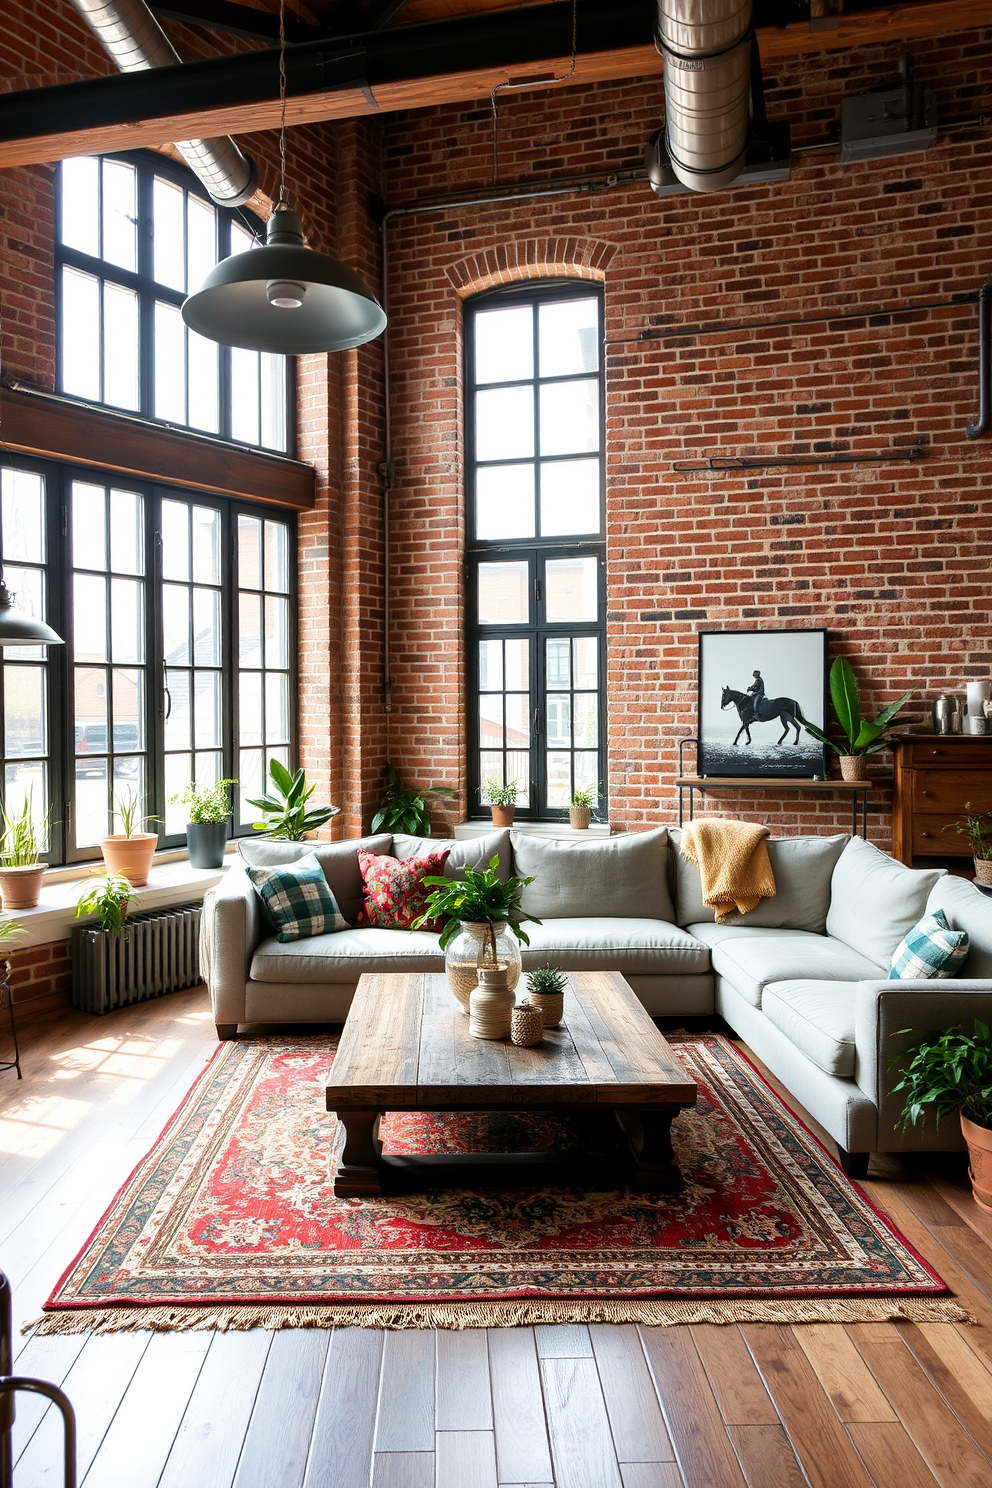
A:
{"x": 406, "y": 1047}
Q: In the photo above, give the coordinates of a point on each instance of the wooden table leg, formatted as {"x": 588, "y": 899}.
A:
{"x": 649, "y": 1131}
{"x": 358, "y": 1153}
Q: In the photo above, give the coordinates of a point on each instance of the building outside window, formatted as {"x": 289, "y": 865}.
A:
{"x": 536, "y": 542}
{"x": 136, "y": 234}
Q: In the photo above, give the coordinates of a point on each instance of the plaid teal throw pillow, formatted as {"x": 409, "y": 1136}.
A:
{"x": 930, "y": 949}
{"x": 298, "y": 899}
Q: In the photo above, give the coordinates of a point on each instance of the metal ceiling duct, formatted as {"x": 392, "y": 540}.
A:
{"x": 706, "y": 45}
{"x": 130, "y": 34}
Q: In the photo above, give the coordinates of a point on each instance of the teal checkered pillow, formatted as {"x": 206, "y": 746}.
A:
{"x": 930, "y": 949}
{"x": 297, "y": 898}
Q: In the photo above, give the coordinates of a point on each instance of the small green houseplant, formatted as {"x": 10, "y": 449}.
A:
{"x": 130, "y": 851}
{"x": 502, "y": 799}
{"x": 208, "y": 811}
{"x": 977, "y": 827}
{"x": 107, "y": 897}
{"x": 861, "y": 737}
{"x": 948, "y": 1072}
{"x": 481, "y": 924}
{"x": 287, "y": 816}
{"x": 580, "y": 808}
{"x": 21, "y": 871}
{"x": 406, "y": 808}
{"x": 546, "y": 990}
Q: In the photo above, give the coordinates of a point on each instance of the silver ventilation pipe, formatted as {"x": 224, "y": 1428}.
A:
{"x": 132, "y": 36}
{"x": 706, "y": 45}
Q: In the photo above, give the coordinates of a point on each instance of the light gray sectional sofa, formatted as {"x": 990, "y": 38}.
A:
{"x": 802, "y": 978}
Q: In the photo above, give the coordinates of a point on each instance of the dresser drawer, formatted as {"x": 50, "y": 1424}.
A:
{"x": 947, "y": 790}
{"x": 961, "y": 754}
{"x": 930, "y": 840}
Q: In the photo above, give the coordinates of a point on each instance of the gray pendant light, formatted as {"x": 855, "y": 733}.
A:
{"x": 284, "y": 297}
{"x": 20, "y": 629}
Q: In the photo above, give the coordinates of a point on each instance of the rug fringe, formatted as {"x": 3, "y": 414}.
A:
{"x": 662, "y": 1313}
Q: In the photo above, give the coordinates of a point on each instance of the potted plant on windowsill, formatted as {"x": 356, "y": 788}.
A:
{"x": 502, "y": 799}
{"x": 130, "y": 851}
{"x": 580, "y": 809}
{"x": 287, "y": 816}
{"x": 107, "y": 896}
{"x": 977, "y": 827}
{"x": 861, "y": 738}
{"x": 208, "y": 811}
{"x": 406, "y": 809}
{"x": 948, "y": 1072}
{"x": 482, "y": 919}
{"x": 21, "y": 871}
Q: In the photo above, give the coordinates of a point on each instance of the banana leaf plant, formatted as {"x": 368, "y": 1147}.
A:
{"x": 860, "y": 735}
{"x": 286, "y": 815}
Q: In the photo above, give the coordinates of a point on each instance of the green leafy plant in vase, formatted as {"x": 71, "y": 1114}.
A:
{"x": 288, "y": 817}
{"x": 861, "y": 737}
{"x": 107, "y": 896}
{"x": 584, "y": 799}
{"x": 950, "y": 1072}
{"x": 977, "y": 827}
{"x": 21, "y": 870}
{"x": 501, "y": 798}
{"x": 208, "y": 811}
{"x": 481, "y": 924}
{"x": 406, "y": 808}
{"x": 546, "y": 990}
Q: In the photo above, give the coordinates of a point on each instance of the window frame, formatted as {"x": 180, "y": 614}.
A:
{"x": 148, "y": 165}
{"x": 537, "y": 551}
{"x": 59, "y": 477}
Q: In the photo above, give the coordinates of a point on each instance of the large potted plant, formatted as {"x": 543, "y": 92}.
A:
{"x": 287, "y": 817}
{"x": 977, "y": 827}
{"x": 208, "y": 811}
{"x": 406, "y": 808}
{"x": 21, "y": 871}
{"x": 481, "y": 925}
{"x": 129, "y": 853}
{"x": 501, "y": 799}
{"x": 948, "y": 1072}
{"x": 861, "y": 737}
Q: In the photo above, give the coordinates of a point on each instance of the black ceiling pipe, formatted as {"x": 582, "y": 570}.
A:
{"x": 984, "y": 420}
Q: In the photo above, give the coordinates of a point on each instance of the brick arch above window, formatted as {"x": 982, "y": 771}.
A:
{"x": 532, "y": 258}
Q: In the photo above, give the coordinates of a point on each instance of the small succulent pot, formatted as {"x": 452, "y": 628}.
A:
{"x": 206, "y": 842}
{"x": 551, "y": 1005}
{"x": 983, "y": 871}
{"x": 20, "y": 888}
{"x": 580, "y": 817}
{"x": 526, "y": 1026}
{"x": 853, "y": 767}
{"x": 979, "y": 1140}
{"x": 130, "y": 856}
{"x": 490, "y": 1006}
{"x": 503, "y": 815}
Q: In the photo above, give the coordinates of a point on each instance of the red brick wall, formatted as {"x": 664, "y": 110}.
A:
{"x": 893, "y": 559}
{"x": 40, "y": 979}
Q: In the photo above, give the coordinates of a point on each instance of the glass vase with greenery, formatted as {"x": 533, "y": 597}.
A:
{"x": 108, "y": 897}
{"x": 860, "y": 737}
{"x": 406, "y": 808}
{"x": 288, "y": 818}
{"x": 481, "y": 924}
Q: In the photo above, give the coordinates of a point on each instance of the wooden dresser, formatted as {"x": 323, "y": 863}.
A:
{"x": 935, "y": 774}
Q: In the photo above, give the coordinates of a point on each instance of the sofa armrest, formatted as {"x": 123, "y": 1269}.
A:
{"x": 882, "y": 1011}
{"x": 233, "y": 930}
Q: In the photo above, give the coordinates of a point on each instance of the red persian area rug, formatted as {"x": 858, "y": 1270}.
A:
{"x": 230, "y": 1221}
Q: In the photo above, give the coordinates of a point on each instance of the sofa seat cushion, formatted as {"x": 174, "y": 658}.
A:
{"x": 608, "y": 943}
{"x": 345, "y": 956}
{"x": 818, "y": 1018}
{"x": 712, "y": 934}
{"x": 750, "y": 964}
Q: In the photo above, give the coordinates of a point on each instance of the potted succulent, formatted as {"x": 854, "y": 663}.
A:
{"x": 21, "y": 871}
{"x": 977, "y": 827}
{"x": 861, "y": 738}
{"x": 502, "y": 799}
{"x": 406, "y": 809}
{"x": 108, "y": 897}
{"x": 580, "y": 808}
{"x": 130, "y": 851}
{"x": 481, "y": 919}
{"x": 208, "y": 811}
{"x": 287, "y": 817}
{"x": 948, "y": 1072}
{"x": 546, "y": 990}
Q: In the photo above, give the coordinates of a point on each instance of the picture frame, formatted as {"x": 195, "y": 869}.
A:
{"x": 752, "y": 687}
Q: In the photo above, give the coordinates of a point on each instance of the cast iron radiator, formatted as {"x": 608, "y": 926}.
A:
{"x": 159, "y": 953}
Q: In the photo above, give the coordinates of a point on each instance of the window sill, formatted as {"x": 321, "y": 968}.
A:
{"x": 465, "y": 831}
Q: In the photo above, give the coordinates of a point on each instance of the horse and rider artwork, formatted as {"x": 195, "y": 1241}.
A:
{"x": 756, "y": 689}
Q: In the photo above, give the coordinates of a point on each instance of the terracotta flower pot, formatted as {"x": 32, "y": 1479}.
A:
{"x": 853, "y": 767}
{"x": 983, "y": 870}
{"x": 979, "y": 1139}
{"x": 20, "y": 888}
{"x": 580, "y": 816}
{"x": 503, "y": 815}
{"x": 131, "y": 856}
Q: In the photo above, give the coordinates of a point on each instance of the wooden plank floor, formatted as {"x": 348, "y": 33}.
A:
{"x": 890, "y": 1405}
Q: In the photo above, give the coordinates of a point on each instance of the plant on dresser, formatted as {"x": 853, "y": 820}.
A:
{"x": 861, "y": 737}
{"x": 977, "y": 827}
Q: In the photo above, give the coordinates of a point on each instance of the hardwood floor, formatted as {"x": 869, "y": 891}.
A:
{"x": 895, "y": 1405}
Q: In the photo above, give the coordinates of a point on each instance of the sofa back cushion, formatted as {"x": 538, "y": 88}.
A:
{"x": 966, "y": 909}
{"x": 801, "y": 867}
{"x": 474, "y": 852}
{"x": 622, "y": 877}
{"x": 875, "y": 901}
{"x": 339, "y": 861}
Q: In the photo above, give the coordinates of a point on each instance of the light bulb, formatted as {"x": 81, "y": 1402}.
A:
{"x": 285, "y": 294}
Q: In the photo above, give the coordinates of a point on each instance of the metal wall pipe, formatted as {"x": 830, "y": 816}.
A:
{"x": 130, "y": 34}
{"x": 706, "y": 45}
{"x": 984, "y": 421}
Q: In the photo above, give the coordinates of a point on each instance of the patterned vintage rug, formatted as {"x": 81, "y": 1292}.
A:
{"x": 230, "y": 1221}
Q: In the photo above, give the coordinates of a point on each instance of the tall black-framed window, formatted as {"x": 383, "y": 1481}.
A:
{"x": 536, "y": 581}
{"x": 135, "y": 234}
{"x": 146, "y": 583}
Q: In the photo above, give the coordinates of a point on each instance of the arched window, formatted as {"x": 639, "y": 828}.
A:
{"x": 536, "y": 542}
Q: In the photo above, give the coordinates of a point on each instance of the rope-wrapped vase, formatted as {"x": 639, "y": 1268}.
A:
{"x": 491, "y": 1005}
{"x": 526, "y": 1026}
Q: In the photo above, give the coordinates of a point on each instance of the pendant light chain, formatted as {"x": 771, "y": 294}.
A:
{"x": 282, "y": 100}
{"x": 527, "y": 86}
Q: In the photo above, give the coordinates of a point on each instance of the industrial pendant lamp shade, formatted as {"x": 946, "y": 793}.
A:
{"x": 20, "y": 629}
{"x": 284, "y": 297}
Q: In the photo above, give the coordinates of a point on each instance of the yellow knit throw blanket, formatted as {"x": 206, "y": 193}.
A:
{"x": 733, "y": 864}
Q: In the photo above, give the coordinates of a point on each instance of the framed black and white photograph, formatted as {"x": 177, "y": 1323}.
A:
{"x": 755, "y": 688}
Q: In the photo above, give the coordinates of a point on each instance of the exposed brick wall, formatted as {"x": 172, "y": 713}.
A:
{"x": 40, "y": 978}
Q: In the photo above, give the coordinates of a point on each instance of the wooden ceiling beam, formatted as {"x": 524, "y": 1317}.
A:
{"x": 404, "y": 68}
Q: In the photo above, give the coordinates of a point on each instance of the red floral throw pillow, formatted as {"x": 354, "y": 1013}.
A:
{"x": 395, "y": 893}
